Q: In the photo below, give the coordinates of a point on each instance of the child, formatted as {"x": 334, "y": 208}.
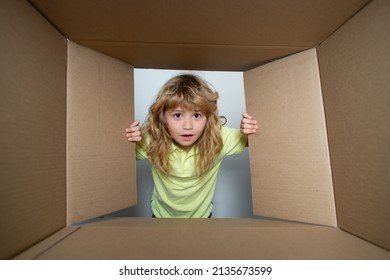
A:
{"x": 185, "y": 142}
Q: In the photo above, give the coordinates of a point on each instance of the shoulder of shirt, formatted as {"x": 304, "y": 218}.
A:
{"x": 228, "y": 130}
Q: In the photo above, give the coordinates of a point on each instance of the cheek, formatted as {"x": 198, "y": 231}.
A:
{"x": 171, "y": 127}
{"x": 202, "y": 124}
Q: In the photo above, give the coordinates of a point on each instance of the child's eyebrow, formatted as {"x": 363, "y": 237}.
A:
{"x": 185, "y": 110}
{"x": 176, "y": 110}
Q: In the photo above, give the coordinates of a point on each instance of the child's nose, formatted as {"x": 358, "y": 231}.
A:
{"x": 187, "y": 124}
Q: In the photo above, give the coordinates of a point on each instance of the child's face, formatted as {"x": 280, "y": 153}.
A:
{"x": 185, "y": 126}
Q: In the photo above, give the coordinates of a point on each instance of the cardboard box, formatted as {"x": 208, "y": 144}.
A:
{"x": 319, "y": 166}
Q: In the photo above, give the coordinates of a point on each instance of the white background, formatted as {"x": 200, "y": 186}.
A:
{"x": 302, "y": 270}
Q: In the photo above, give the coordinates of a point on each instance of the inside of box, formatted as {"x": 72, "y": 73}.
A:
{"x": 207, "y": 239}
{"x": 206, "y": 35}
{"x": 355, "y": 68}
{"x": 33, "y": 127}
{"x": 292, "y": 178}
{"x": 351, "y": 76}
{"x": 100, "y": 164}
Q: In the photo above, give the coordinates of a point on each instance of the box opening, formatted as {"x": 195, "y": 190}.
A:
{"x": 233, "y": 197}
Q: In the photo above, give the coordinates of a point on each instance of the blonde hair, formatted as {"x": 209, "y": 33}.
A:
{"x": 189, "y": 92}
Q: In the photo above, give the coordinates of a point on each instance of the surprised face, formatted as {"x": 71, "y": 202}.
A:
{"x": 186, "y": 126}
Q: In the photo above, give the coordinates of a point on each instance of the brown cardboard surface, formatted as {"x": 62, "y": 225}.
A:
{"x": 211, "y": 239}
{"x": 189, "y": 56}
{"x": 189, "y": 223}
{"x": 38, "y": 249}
{"x": 100, "y": 162}
{"x": 291, "y": 175}
{"x": 161, "y": 34}
{"x": 32, "y": 123}
{"x": 355, "y": 71}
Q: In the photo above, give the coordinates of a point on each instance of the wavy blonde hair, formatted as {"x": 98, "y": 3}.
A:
{"x": 189, "y": 92}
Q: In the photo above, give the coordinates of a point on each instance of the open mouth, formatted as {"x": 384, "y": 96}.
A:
{"x": 187, "y": 136}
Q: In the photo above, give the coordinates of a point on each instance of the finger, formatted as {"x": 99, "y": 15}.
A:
{"x": 248, "y": 121}
{"x": 249, "y": 131}
{"x": 135, "y": 123}
{"x": 249, "y": 126}
{"x": 132, "y": 134}
{"x": 134, "y": 139}
{"x": 246, "y": 118}
{"x": 133, "y": 129}
{"x": 245, "y": 115}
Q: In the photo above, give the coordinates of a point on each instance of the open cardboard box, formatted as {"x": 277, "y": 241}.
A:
{"x": 316, "y": 75}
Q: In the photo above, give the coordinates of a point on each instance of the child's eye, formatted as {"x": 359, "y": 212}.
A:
{"x": 177, "y": 115}
{"x": 198, "y": 115}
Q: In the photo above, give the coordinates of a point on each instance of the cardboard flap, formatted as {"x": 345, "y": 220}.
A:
{"x": 100, "y": 161}
{"x": 220, "y": 35}
{"x": 210, "y": 239}
{"x": 355, "y": 72}
{"x": 291, "y": 175}
{"x": 32, "y": 125}
{"x": 35, "y": 251}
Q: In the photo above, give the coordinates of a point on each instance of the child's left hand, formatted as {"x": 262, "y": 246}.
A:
{"x": 248, "y": 125}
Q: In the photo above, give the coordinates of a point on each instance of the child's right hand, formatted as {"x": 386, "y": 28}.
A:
{"x": 133, "y": 133}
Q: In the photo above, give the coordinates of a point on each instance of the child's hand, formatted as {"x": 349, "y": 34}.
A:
{"x": 133, "y": 133}
{"x": 248, "y": 125}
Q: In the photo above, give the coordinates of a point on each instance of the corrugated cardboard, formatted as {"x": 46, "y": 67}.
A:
{"x": 129, "y": 238}
{"x": 33, "y": 126}
{"x": 290, "y": 155}
{"x": 100, "y": 172}
{"x": 202, "y": 34}
{"x": 33, "y": 198}
{"x": 355, "y": 71}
